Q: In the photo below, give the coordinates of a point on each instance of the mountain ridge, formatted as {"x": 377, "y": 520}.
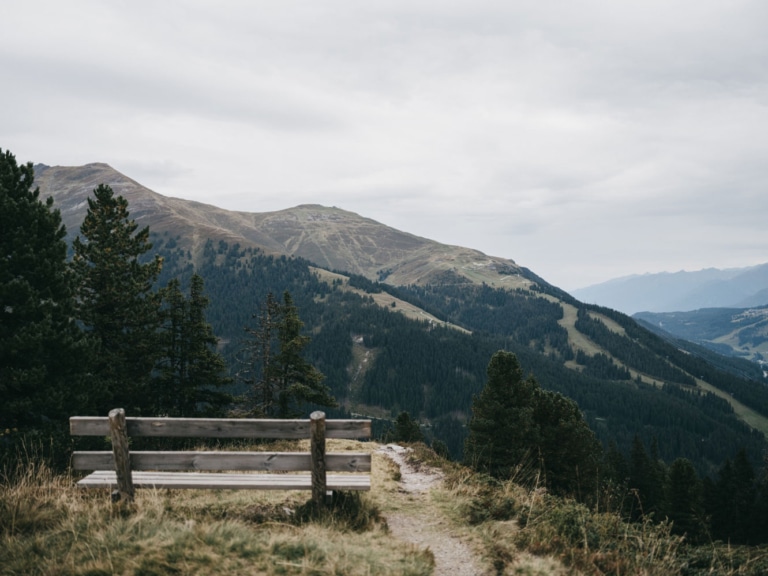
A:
{"x": 359, "y": 245}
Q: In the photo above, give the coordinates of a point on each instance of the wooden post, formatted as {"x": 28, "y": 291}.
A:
{"x": 317, "y": 441}
{"x": 119, "y": 433}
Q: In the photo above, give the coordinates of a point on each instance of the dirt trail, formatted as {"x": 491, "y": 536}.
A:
{"x": 452, "y": 556}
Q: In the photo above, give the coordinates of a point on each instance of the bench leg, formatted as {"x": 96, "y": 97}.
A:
{"x": 119, "y": 433}
{"x": 317, "y": 441}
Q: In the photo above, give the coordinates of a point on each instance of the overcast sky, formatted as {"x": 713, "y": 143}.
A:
{"x": 585, "y": 140}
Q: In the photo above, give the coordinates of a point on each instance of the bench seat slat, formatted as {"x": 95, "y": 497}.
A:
{"x": 219, "y": 427}
{"x": 215, "y": 460}
{"x": 201, "y": 480}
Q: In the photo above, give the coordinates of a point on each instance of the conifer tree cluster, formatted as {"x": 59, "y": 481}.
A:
{"x": 406, "y": 430}
{"x": 515, "y": 424}
{"x": 279, "y": 379}
{"x": 191, "y": 371}
{"x": 732, "y": 506}
{"x": 96, "y": 333}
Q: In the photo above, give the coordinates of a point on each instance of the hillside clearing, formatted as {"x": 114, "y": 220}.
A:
{"x": 386, "y": 300}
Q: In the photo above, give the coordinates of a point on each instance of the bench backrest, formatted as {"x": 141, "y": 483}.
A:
{"x": 219, "y": 428}
{"x": 120, "y": 428}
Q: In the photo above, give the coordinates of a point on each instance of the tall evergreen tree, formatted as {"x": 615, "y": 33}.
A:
{"x": 258, "y": 373}
{"x": 514, "y": 421}
{"x": 685, "y": 501}
{"x": 732, "y": 502}
{"x": 569, "y": 450}
{"x": 281, "y": 380}
{"x": 42, "y": 351}
{"x": 116, "y": 301}
{"x": 299, "y": 382}
{"x": 502, "y": 430}
{"x": 646, "y": 480}
{"x": 191, "y": 371}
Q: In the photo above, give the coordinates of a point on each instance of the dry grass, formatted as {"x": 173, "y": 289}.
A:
{"x": 47, "y": 526}
{"x": 525, "y": 530}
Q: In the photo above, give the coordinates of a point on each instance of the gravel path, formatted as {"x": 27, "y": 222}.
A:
{"x": 452, "y": 556}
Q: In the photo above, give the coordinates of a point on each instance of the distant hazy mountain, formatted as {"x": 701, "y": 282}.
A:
{"x": 681, "y": 291}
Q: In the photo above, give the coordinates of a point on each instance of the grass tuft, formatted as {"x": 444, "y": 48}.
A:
{"x": 345, "y": 511}
{"x": 30, "y": 499}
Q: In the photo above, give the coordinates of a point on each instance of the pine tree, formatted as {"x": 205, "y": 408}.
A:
{"x": 685, "y": 500}
{"x": 259, "y": 374}
{"x": 299, "y": 382}
{"x": 502, "y": 432}
{"x": 570, "y": 452}
{"x": 116, "y": 301}
{"x": 191, "y": 371}
{"x": 43, "y": 354}
{"x": 279, "y": 378}
{"x": 646, "y": 480}
{"x": 515, "y": 423}
{"x": 733, "y": 500}
{"x": 406, "y": 430}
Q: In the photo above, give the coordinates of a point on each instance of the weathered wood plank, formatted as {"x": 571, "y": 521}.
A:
{"x": 121, "y": 455}
{"x": 254, "y": 461}
{"x": 219, "y": 427}
{"x": 348, "y": 429}
{"x": 192, "y": 480}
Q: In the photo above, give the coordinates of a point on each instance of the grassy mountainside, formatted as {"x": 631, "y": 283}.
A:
{"x": 458, "y": 307}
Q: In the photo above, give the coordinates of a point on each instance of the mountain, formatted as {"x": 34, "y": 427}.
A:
{"x": 742, "y": 333}
{"x": 681, "y": 291}
{"x": 403, "y": 323}
{"x": 328, "y": 237}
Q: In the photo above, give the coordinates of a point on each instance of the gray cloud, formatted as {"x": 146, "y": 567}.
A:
{"x": 583, "y": 139}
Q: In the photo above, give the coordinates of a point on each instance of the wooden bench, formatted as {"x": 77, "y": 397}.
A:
{"x": 123, "y": 470}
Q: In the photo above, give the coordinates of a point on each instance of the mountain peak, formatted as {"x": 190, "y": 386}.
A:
{"x": 329, "y": 237}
